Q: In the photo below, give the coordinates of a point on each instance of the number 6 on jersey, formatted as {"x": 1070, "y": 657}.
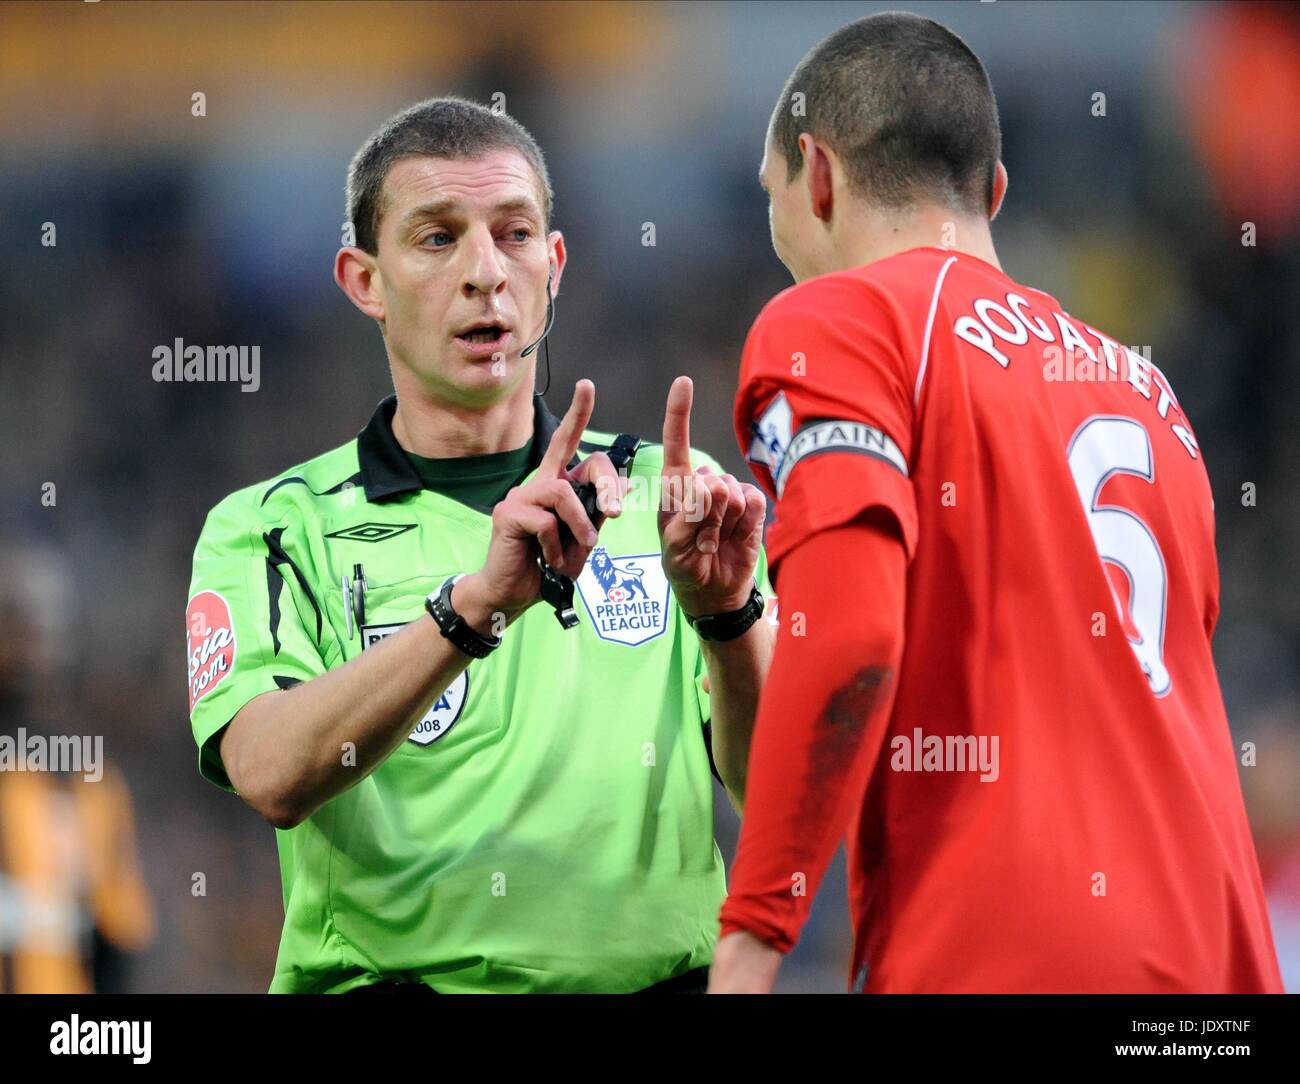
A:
{"x": 1103, "y": 446}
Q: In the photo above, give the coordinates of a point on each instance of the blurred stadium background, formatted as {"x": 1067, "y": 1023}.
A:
{"x": 222, "y": 228}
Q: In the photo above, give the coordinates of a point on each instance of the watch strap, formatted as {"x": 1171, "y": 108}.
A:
{"x": 729, "y": 626}
{"x": 454, "y": 627}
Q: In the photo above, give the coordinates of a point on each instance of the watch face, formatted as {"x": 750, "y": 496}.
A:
{"x": 442, "y": 600}
{"x": 440, "y": 610}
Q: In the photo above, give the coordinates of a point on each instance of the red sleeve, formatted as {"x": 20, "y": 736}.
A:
{"x": 826, "y": 397}
{"x": 821, "y": 721}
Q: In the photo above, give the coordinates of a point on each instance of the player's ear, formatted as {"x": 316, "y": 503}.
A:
{"x": 558, "y": 256}
{"x": 999, "y": 190}
{"x": 819, "y": 176}
{"x": 357, "y": 274}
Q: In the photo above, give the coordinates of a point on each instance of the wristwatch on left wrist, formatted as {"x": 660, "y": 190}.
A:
{"x": 454, "y": 626}
{"x": 730, "y": 625}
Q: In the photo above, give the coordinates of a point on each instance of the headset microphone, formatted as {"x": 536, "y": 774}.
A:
{"x": 557, "y": 589}
{"x": 550, "y": 317}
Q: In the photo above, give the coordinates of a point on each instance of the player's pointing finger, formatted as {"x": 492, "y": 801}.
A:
{"x": 677, "y": 427}
{"x": 564, "y": 441}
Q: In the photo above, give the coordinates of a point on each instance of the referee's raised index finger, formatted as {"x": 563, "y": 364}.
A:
{"x": 564, "y": 441}
{"x": 677, "y": 427}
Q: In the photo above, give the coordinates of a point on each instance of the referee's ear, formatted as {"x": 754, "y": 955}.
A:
{"x": 558, "y": 257}
{"x": 357, "y": 273}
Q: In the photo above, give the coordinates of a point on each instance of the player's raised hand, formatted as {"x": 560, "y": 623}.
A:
{"x": 710, "y": 525}
{"x": 529, "y": 518}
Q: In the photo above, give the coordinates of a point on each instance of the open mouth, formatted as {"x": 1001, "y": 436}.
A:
{"x": 483, "y": 335}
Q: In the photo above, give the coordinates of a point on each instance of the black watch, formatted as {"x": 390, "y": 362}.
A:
{"x": 729, "y": 626}
{"x": 453, "y": 626}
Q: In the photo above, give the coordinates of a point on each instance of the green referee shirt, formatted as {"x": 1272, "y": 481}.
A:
{"x": 548, "y": 826}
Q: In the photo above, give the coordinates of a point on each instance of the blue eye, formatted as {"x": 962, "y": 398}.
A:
{"x": 517, "y": 234}
{"x": 438, "y": 237}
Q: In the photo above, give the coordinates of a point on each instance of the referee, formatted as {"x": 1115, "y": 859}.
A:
{"x": 470, "y": 796}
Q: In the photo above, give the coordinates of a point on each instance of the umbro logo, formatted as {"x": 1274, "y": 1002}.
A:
{"x": 372, "y": 532}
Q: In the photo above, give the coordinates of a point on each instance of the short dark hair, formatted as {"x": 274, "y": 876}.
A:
{"x": 436, "y": 128}
{"x": 905, "y": 104}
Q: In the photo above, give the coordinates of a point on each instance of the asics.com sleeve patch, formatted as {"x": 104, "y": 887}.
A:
{"x": 211, "y": 643}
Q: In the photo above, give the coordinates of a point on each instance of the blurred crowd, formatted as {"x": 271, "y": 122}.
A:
{"x": 220, "y": 228}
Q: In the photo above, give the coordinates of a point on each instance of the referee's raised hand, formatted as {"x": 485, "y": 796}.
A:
{"x": 710, "y": 525}
{"x": 528, "y": 520}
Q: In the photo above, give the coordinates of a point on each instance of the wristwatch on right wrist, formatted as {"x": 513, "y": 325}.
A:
{"x": 729, "y": 626}
{"x": 454, "y": 626}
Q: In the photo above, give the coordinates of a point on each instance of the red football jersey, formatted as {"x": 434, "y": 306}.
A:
{"x": 1056, "y": 804}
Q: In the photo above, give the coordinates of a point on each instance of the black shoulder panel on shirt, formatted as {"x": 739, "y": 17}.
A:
{"x": 274, "y": 584}
{"x": 277, "y": 556}
{"x": 355, "y": 480}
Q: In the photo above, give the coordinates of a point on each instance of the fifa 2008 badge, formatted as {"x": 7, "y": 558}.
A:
{"x": 773, "y": 431}
{"x": 211, "y": 647}
{"x": 442, "y": 716}
{"x": 626, "y": 597}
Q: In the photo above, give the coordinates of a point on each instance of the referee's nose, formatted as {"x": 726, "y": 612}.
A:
{"x": 484, "y": 271}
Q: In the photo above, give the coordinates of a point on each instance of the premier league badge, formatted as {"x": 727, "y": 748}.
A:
{"x": 771, "y": 434}
{"x": 626, "y": 597}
